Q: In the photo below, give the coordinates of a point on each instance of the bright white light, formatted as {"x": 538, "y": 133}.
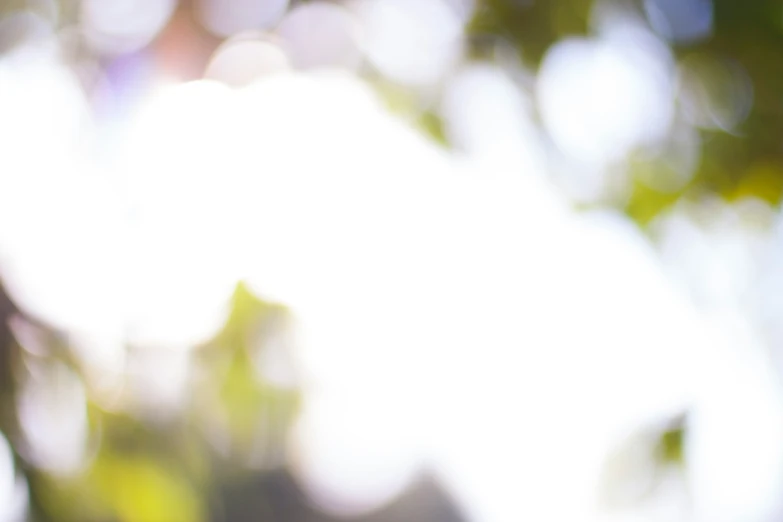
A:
{"x": 410, "y": 41}
{"x": 146, "y": 261}
{"x": 463, "y": 9}
{"x": 244, "y": 59}
{"x": 351, "y": 250}
{"x": 601, "y": 98}
{"x": 80, "y": 291}
{"x": 716, "y": 250}
{"x": 489, "y": 117}
{"x": 494, "y": 304}
{"x": 180, "y": 270}
{"x": 624, "y": 264}
{"x": 711, "y": 251}
{"x": 766, "y": 299}
{"x": 321, "y": 34}
{"x": 46, "y": 127}
{"x": 568, "y": 376}
{"x": 355, "y": 452}
{"x": 14, "y": 494}
{"x": 122, "y": 26}
{"x": 7, "y": 474}
{"x": 43, "y": 107}
{"x": 441, "y": 311}
{"x": 231, "y": 17}
{"x": 308, "y": 209}
{"x": 733, "y": 451}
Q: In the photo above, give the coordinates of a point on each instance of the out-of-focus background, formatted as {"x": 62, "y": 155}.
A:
{"x": 391, "y": 260}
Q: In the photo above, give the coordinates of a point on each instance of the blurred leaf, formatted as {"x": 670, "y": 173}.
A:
{"x": 432, "y": 125}
{"x": 532, "y": 25}
{"x": 71, "y": 500}
{"x": 670, "y": 446}
{"x": 763, "y": 180}
{"x": 242, "y": 395}
{"x": 140, "y": 489}
{"x": 234, "y": 398}
{"x": 247, "y": 312}
{"x": 399, "y": 100}
{"x": 646, "y": 203}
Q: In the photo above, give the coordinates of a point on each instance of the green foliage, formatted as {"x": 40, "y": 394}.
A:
{"x": 531, "y": 26}
{"x": 671, "y": 445}
{"x": 432, "y": 125}
{"x": 646, "y": 203}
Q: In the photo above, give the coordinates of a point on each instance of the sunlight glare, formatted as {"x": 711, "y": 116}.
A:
{"x": 488, "y": 116}
{"x": 175, "y": 156}
{"x": 732, "y": 448}
{"x": 354, "y": 452}
{"x": 600, "y": 98}
{"x": 411, "y": 42}
{"x": 321, "y": 34}
{"x": 244, "y": 59}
